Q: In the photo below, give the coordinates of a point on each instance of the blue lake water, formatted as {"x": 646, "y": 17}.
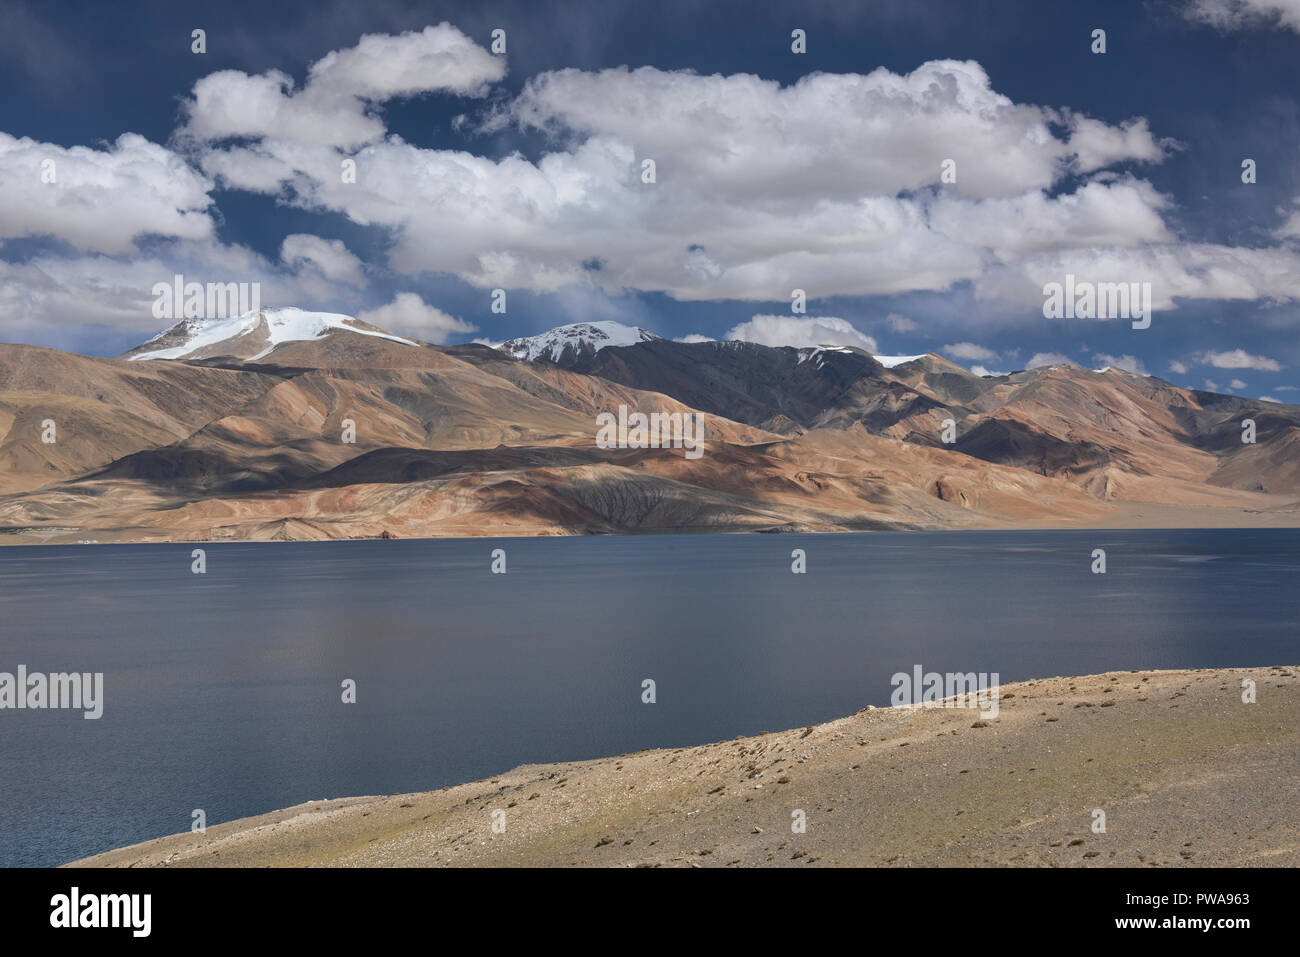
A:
{"x": 222, "y": 690}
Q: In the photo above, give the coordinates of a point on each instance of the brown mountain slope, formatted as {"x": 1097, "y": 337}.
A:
{"x": 1112, "y": 433}
{"x": 467, "y": 441}
{"x": 295, "y": 429}
{"x": 827, "y": 480}
{"x": 103, "y": 409}
{"x": 1271, "y": 464}
{"x": 1125, "y": 436}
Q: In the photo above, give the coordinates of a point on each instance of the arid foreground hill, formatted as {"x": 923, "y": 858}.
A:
{"x": 1185, "y": 773}
{"x": 291, "y": 425}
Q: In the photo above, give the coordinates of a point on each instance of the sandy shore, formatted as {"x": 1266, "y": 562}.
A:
{"x": 1186, "y": 773}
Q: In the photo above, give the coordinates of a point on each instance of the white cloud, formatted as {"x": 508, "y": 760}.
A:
{"x": 1177, "y": 367}
{"x": 410, "y": 314}
{"x": 1211, "y": 385}
{"x": 333, "y": 107}
{"x": 1098, "y": 145}
{"x": 521, "y": 225}
{"x": 1241, "y": 14}
{"x": 829, "y": 184}
{"x": 969, "y": 350}
{"x": 1126, "y": 362}
{"x": 383, "y": 66}
{"x": 828, "y": 135}
{"x": 1122, "y": 213}
{"x": 255, "y": 170}
{"x": 1291, "y": 228}
{"x": 53, "y": 298}
{"x": 100, "y": 200}
{"x": 1239, "y": 359}
{"x": 1040, "y": 359}
{"x": 334, "y": 260}
{"x": 1191, "y": 271}
{"x": 231, "y": 103}
{"x": 694, "y": 337}
{"x": 1236, "y": 384}
{"x": 799, "y": 331}
{"x": 980, "y": 370}
{"x": 1269, "y": 398}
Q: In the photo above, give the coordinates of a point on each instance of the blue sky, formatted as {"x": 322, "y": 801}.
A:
{"x": 774, "y": 171}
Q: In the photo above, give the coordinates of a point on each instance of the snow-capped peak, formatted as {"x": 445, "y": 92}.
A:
{"x": 253, "y": 335}
{"x": 577, "y": 338}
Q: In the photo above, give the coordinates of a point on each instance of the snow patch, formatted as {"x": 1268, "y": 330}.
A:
{"x": 890, "y": 361}
{"x": 817, "y": 353}
{"x": 594, "y": 335}
{"x": 282, "y": 325}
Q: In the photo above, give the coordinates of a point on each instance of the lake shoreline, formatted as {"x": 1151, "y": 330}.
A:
{"x": 1127, "y": 516}
{"x": 1176, "y": 767}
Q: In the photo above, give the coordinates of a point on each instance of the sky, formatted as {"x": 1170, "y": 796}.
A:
{"x": 922, "y": 171}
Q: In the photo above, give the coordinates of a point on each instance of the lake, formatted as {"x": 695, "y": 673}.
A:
{"x": 222, "y": 691}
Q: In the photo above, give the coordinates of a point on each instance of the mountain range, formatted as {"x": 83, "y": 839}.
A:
{"x": 285, "y": 424}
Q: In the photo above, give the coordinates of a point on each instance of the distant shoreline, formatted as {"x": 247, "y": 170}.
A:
{"x": 1159, "y": 517}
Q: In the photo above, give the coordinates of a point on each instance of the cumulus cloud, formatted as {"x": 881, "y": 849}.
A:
{"x": 830, "y": 183}
{"x": 969, "y": 350}
{"x": 1241, "y": 14}
{"x": 1097, "y": 145}
{"x": 980, "y": 370}
{"x": 1236, "y": 384}
{"x": 800, "y": 331}
{"x": 1122, "y": 213}
{"x": 333, "y": 107}
{"x": 1126, "y": 362}
{"x": 1174, "y": 270}
{"x": 694, "y": 337}
{"x": 1239, "y": 359}
{"x": 382, "y": 66}
{"x": 1290, "y": 229}
{"x": 410, "y": 314}
{"x": 1040, "y": 359}
{"x": 330, "y": 256}
{"x": 1177, "y": 367}
{"x": 100, "y": 200}
{"x": 829, "y": 135}
{"x": 54, "y": 298}
{"x": 1211, "y": 385}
